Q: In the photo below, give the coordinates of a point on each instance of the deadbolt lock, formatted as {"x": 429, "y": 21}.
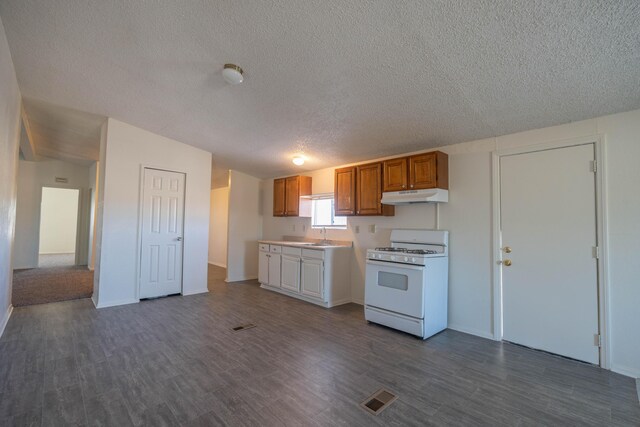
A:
{"x": 507, "y": 262}
{"x": 507, "y": 249}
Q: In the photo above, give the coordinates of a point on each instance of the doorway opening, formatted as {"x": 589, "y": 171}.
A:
{"x": 58, "y": 227}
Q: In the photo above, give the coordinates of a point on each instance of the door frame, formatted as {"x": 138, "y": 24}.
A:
{"x": 79, "y": 230}
{"x": 599, "y": 143}
{"x": 140, "y": 221}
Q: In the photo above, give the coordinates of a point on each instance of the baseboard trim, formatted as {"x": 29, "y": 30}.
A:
{"x": 93, "y": 299}
{"x": 241, "y": 279}
{"x": 471, "y": 331}
{"x": 358, "y": 301}
{"x": 626, "y": 371}
{"x": 5, "y": 319}
{"x": 196, "y": 292}
{"x": 116, "y": 303}
{"x": 218, "y": 264}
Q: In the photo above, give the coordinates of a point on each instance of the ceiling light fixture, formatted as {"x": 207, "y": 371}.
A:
{"x": 232, "y": 74}
{"x": 298, "y": 160}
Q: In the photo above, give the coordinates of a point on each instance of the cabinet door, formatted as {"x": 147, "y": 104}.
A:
{"x": 290, "y": 273}
{"x": 263, "y": 268}
{"x": 369, "y": 193}
{"x": 395, "y": 175}
{"x": 313, "y": 278}
{"x": 292, "y": 195}
{"x": 422, "y": 171}
{"x": 345, "y": 191}
{"x": 278, "y": 197}
{"x": 274, "y": 270}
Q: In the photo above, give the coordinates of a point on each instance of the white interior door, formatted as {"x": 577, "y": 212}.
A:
{"x": 548, "y": 220}
{"x": 162, "y": 232}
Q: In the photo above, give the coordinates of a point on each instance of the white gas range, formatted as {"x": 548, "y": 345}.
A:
{"x": 406, "y": 284}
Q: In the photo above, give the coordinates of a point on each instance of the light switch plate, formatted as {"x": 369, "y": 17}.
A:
{"x": 293, "y": 227}
{"x": 304, "y": 228}
{"x": 372, "y": 228}
{"x": 356, "y": 228}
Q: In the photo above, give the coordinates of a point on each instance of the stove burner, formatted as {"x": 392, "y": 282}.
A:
{"x": 391, "y": 249}
{"x": 421, "y": 251}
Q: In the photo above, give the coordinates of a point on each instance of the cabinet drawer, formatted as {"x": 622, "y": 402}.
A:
{"x": 276, "y": 249}
{"x": 288, "y": 250}
{"x": 264, "y": 247}
{"x": 312, "y": 253}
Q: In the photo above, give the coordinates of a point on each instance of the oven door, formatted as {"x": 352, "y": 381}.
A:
{"x": 395, "y": 287}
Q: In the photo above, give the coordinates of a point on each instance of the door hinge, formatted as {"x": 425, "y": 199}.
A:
{"x": 594, "y": 166}
{"x": 597, "y": 340}
{"x": 596, "y": 252}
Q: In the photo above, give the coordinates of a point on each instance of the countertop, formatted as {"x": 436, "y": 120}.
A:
{"x": 308, "y": 245}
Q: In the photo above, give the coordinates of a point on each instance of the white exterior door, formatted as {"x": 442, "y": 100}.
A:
{"x": 162, "y": 232}
{"x": 274, "y": 270}
{"x": 548, "y": 225}
{"x": 312, "y": 278}
{"x": 290, "y": 273}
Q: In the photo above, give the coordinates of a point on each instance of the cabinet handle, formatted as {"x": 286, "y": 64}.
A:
{"x": 404, "y": 186}
{"x": 411, "y": 185}
{"x": 358, "y": 212}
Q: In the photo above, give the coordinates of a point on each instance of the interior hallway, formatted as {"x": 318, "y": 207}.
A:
{"x": 52, "y": 284}
{"x": 68, "y": 363}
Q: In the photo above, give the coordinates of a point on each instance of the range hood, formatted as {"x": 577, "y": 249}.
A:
{"x": 415, "y": 196}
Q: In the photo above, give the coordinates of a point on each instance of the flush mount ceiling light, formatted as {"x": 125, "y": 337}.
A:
{"x": 298, "y": 160}
{"x": 232, "y": 74}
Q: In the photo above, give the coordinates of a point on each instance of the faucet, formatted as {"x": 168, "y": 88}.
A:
{"x": 324, "y": 233}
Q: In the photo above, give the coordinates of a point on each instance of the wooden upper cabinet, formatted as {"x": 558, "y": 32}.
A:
{"x": 395, "y": 174}
{"x": 369, "y": 191}
{"x": 292, "y": 196}
{"x": 287, "y": 193}
{"x": 429, "y": 170}
{"x": 345, "y": 191}
{"x": 278, "y": 197}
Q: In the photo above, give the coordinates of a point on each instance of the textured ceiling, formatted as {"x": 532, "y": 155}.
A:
{"x": 63, "y": 133}
{"x": 341, "y": 81}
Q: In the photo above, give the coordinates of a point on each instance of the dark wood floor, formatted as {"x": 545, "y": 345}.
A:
{"x": 175, "y": 361}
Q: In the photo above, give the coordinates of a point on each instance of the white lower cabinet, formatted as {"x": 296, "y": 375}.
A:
{"x": 312, "y": 277}
{"x": 274, "y": 270}
{"x": 318, "y": 276}
{"x": 263, "y": 267}
{"x": 290, "y": 273}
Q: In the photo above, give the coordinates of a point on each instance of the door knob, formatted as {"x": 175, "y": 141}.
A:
{"x": 507, "y": 262}
{"x": 507, "y": 249}
{"x": 179, "y": 239}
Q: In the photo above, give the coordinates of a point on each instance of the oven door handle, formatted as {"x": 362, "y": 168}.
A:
{"x": 395, "y": 265}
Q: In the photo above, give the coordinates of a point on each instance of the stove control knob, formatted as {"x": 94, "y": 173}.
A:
{"x": 406, "y": 259}
{"x": 393, "y": 258}
{"x": 413, "y": 260}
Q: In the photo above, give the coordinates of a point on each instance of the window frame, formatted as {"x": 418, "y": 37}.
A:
{"x": 333, "y": 215}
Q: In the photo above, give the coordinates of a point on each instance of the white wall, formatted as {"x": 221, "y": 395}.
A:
{"x": 218, "y": 224}
{"x": 125, "y": 150}
{"x": 58, "y": 220}
{"x": 468, "y": 218}
{"x": 244, "y": 225}
{"x": 32, "y": 176}
{"x": 93, "y": 187}
{"x": 9, "y": 147}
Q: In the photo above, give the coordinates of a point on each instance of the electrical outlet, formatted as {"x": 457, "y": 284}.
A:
{"x": 304, "y": 228}
{"x": 356, "y": 228}
{"x": 293, "y": 227}
{"x": 372, "y": 228}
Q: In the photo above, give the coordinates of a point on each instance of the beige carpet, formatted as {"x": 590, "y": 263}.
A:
{"x": 43, "y": 285}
